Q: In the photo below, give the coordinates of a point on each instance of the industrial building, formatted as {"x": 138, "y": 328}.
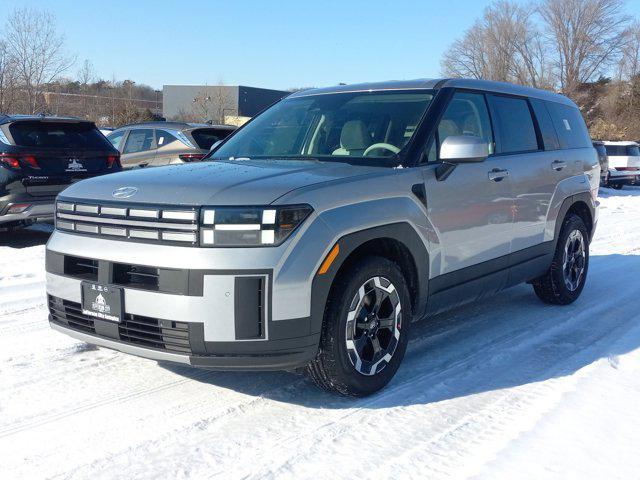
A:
{"x": 216, "y": 103}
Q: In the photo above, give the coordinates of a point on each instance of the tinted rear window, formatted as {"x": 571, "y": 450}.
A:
{"x": 514, "y": 125}
{"x": 622, "y": 150}
{"x": 205, "y": 137}
{"x": 547, "y": 130}
{"x": 58, "y": 135}
{"x": 570, "y": 126}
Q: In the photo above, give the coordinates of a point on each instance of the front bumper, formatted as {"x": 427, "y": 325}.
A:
{"x": 276, "y": 361}
{"x": 214, "y": 308}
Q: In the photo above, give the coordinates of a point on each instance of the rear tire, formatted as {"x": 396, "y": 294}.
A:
{"x": 565, "y": 279}
{"x": 365, "y": 329}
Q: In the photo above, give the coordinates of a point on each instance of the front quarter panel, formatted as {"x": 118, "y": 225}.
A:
{"x": 345, "y": 209}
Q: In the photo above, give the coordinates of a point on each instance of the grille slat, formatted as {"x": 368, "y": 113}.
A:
{"x": 163, "y": 334}
{"x": 138, "y": 330}
{"x": 171, "y": 225}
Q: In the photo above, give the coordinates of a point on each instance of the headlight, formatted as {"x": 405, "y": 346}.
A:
{"x": 250, "y": 226}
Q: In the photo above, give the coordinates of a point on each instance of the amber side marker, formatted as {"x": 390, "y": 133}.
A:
{"x": 329, "y": 260}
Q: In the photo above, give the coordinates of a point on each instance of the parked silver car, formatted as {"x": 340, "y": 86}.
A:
{"x": 327, "y": 225}
{"x": 155, "y": 144}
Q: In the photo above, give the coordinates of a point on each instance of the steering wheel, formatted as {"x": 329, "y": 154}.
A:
{"x": 386, "y": 146}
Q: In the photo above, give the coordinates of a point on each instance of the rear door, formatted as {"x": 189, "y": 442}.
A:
{"x": 535, "y": 172}
{"x": 139, "y": 149}
{"x": 60, "y": 152}
{"x": 168, "y": 148}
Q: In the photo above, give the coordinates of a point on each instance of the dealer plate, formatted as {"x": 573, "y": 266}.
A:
{"x": 102, "y": 301}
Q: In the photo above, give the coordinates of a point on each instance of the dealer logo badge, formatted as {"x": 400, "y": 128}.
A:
{"x": 75, "y": 166}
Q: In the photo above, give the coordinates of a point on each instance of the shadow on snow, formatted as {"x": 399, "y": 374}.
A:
{"x": 505, "y": 341}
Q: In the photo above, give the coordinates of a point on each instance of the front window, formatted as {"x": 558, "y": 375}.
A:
{"x": 366, "y": 126}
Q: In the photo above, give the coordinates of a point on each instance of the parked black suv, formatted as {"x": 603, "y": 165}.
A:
{"x": 40, "y": 156}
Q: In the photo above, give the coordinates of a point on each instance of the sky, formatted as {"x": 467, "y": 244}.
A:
{"x": 272, "y": 44}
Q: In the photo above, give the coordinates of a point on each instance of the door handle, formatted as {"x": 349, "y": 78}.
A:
{"x": 557, "y": 165}
{"x": 496, "y": 175}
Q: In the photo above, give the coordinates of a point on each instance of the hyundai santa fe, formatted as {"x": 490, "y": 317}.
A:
{"x": 328, "y": 224}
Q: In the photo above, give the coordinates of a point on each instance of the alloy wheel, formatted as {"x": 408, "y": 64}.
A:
{"x": 574, "y": 260}
{"x": 373, "y": 325}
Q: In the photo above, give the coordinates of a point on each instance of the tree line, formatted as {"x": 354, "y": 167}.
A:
{"x": 35, "y": 77}
{"x": 588, "y": 50}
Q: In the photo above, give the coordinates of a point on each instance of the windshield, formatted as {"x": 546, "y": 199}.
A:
{"x": 338, "y": 127}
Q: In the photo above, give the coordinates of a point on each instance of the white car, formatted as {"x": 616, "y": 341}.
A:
{"x": 624, "y": 163}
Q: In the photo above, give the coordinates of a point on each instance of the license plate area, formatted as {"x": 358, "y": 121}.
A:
{"x": 102, "y": 301}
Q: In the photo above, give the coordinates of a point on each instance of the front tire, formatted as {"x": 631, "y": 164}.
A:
{"x": 365, "y": 329}
{"x": 565, "y": 279}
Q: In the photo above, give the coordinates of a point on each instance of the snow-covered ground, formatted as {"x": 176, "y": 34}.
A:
{"x": 507, "y": 388}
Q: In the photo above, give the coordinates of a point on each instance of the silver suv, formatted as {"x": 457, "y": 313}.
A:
{"x": 327, "y": 225}
{"x": 155, "y": 144}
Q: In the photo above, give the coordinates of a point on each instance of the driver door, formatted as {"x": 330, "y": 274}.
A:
{"x": 472, "y": 209}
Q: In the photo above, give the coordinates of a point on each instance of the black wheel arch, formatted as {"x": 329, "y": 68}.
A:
{"x": 582, "y": 205}
{"x": 397, "y": 241}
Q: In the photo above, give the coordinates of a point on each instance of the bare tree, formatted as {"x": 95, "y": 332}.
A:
{"x": 212, "y": 104}
{"x": 37, "y": 49}
{"x": 468, "y": 56}
{"x": 587, "y": 35}
{"x": 7, "y": 79}
{"x": 202, "y": 105}
{"x": 223, "y": 104}
{"x": 86, "y": 74}
{"x": 503, "y": 45}
{"x": 630, "y": 60}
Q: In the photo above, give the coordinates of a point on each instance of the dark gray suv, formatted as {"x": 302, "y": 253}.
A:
{"x": 326, "y": 225}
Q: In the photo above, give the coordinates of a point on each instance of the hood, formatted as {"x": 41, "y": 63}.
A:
{"x": 255, "y": 182}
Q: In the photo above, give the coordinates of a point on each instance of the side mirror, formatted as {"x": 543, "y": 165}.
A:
{"x": 215, "y": 145}
{"x": 460, "y": 149}
{"x": 463, "y": 149}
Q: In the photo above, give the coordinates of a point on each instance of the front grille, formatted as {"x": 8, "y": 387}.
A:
{"x": 148, "y": 332}
{"x": 154, "y": 333}
{"x": 175, "y": 225}
{"x": 82, "y": 268}
{"x": 70, "y": 314}
{"x": 136, "y": 276}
